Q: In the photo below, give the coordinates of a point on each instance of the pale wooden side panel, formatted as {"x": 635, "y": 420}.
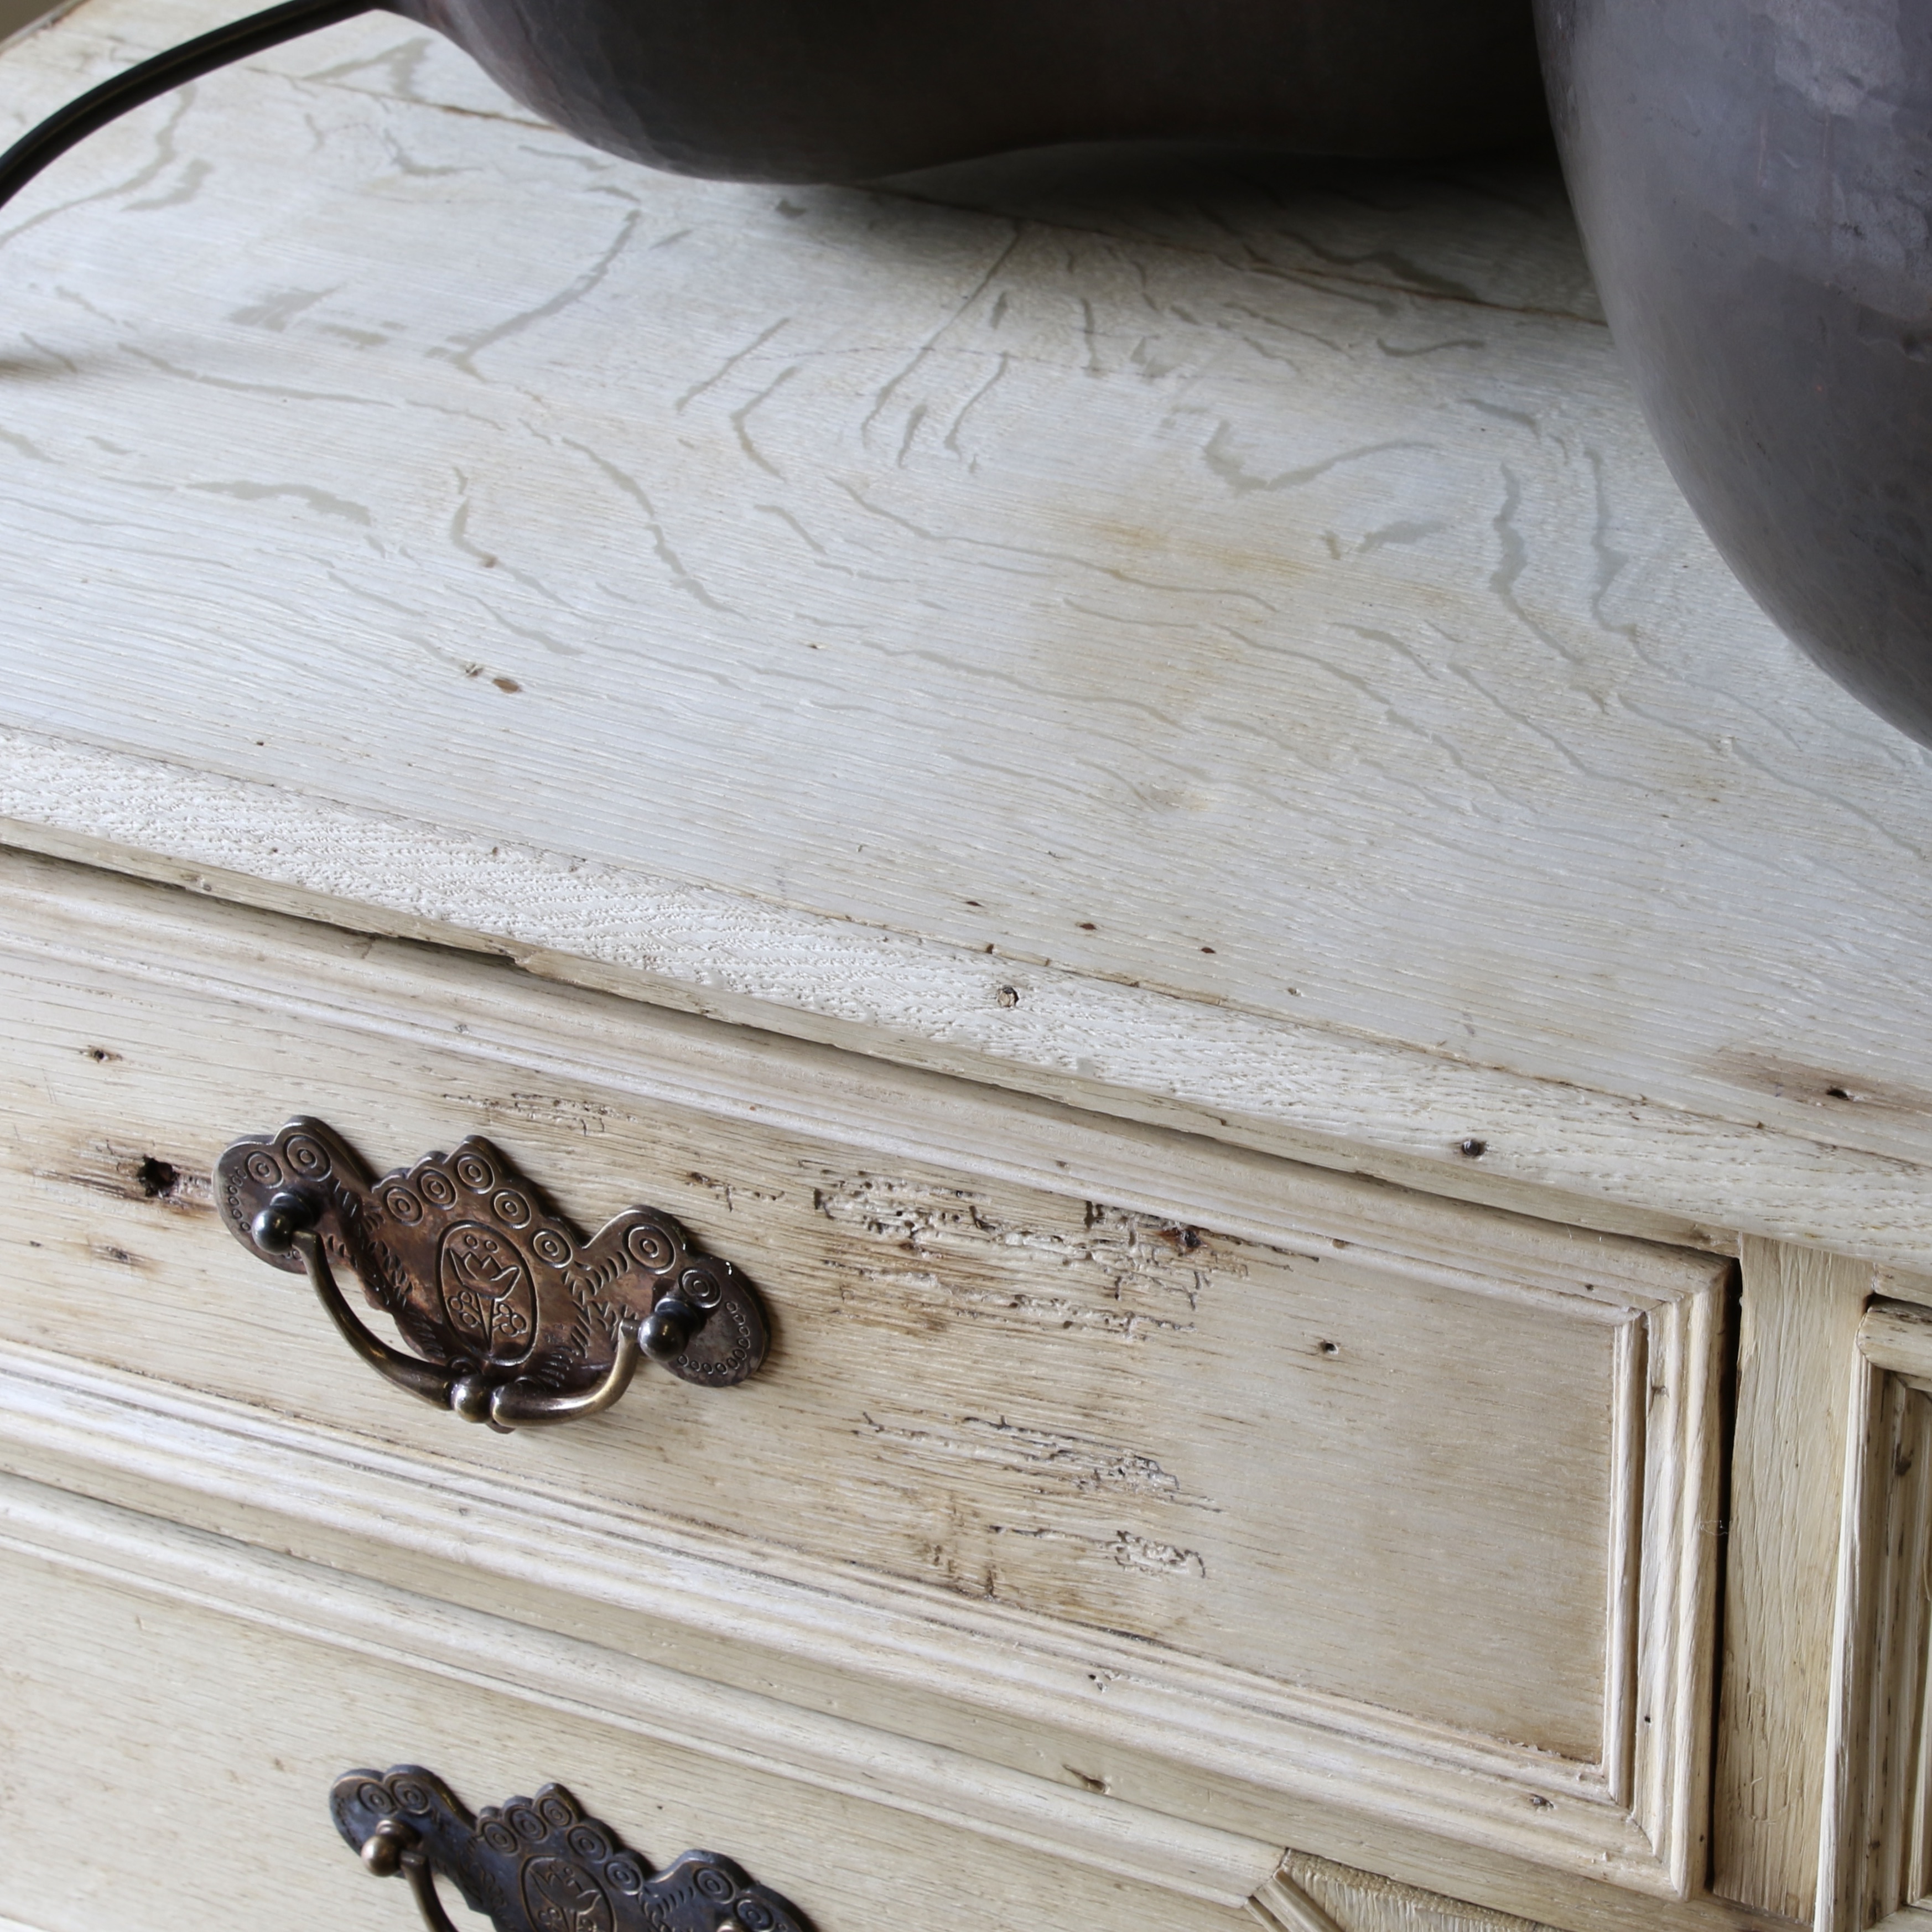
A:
{"x": 1797, "y": 1354}
{"x": 1874, "y": 1848}
{"x": 1891, "y": 1829}
{"x": 170, "y": 1768}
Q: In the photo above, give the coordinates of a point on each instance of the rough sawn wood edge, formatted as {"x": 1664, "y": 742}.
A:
{"x": 411, "y": 994}
{"x": 1328, "y": 1098}
{"x": 1281, "y": 1906}
{"x": 1310, "y": 1894}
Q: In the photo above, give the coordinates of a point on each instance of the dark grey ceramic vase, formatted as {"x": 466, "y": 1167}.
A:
{"x": 1754, "y": 181}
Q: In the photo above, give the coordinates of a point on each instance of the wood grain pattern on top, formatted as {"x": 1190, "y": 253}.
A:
{"x": 1233, "y": 609}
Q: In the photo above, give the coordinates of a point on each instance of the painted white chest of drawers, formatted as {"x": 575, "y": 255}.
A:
{"x": 1135, "y": 792}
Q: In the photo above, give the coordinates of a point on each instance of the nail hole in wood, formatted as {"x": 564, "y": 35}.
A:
{"x": 155, "y": 1178}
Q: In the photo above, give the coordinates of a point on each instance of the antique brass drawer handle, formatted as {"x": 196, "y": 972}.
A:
{"x": 539, "y": 1865}
{"x": 519, "y": 1320}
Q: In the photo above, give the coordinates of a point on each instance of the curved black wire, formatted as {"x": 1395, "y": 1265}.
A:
{"x": 193, "y": 59}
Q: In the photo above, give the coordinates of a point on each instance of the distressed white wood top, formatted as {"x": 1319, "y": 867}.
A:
{"x": 1218, "y": 644}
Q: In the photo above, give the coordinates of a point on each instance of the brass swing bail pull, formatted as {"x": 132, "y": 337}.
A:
{"x": 519, "y": 1320}
{"x": 289, "y": 1222}
{"x": 393, "y": 1847}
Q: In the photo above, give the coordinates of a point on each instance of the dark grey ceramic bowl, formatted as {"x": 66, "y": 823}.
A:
{"x": 849, "y": 90}
{"x": 1754, "y": 180}
{"x": 846, "y": 90}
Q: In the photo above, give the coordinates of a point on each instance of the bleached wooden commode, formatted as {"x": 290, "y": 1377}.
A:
{"x": 1139, "y": 797}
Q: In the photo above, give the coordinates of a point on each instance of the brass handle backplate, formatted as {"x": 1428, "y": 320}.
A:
{"x": 540, "y": 1864}
{"x": 516, "y": 1318}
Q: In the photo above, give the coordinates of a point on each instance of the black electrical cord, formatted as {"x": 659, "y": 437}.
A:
{"x": 189, "y": 61}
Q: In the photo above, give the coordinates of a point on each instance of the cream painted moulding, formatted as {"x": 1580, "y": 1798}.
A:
{"x": 1249, "y": 1576}
{"x": 1228, "y": 655}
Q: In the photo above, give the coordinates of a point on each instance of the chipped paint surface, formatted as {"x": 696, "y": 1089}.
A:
{"x": 1126, "y": 1276}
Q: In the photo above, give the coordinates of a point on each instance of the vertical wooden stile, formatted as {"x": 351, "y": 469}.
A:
{"x": 1797, "y": 1343}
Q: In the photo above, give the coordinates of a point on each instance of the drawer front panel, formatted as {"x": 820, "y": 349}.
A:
{"x": 1445, "y": 1471}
